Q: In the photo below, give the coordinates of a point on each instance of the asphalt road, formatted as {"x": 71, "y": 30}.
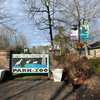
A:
{"x": 43, "y": 90}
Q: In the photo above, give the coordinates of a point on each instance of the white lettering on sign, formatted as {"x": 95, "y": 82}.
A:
{"x": 29, "y": 55}
{"x": 29, "y": 70}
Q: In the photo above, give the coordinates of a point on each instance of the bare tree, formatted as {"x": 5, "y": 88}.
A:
{"x": 42, "y": 13}
{"x": 20, "y": 42}
{"x": 6, "y": 37}
{"x": 47, "y": 13}
{"x": 5, "y": 15}
{"x": 80, "y": 11}
{"x": 11, "y": 39}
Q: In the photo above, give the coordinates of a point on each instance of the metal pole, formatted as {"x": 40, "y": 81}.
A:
{"x": 86, "y": 48}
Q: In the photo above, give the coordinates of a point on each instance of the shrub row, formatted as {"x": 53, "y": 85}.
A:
{"x": 95, "y": 66}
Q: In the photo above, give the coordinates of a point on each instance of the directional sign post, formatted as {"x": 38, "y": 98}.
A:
{"x": 84, "y": 36}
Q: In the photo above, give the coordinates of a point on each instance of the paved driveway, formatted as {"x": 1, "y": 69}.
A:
{"x": 42, "y": 90}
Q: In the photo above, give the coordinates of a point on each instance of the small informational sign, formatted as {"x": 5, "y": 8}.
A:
{"x": 30, "y": 63}
{"x": 84, "y": 36}
{"x": 74, "y": 35}
{"x": 85, "y": 28}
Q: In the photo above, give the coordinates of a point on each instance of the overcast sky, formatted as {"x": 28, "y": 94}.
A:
{"x": 22, "y": 24}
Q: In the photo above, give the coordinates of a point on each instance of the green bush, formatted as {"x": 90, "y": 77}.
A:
{"x": 95, "y": 66}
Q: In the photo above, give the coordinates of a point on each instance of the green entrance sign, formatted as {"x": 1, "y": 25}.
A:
{"x": 30, "y": 63}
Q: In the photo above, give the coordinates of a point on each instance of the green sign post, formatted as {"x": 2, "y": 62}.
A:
{"x": 84, "y": 36}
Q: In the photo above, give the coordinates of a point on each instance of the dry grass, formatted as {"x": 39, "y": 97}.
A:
{"x": 76, "y": 68}
{"x": 30, "y": 77}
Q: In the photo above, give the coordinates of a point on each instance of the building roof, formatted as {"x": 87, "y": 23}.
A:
{"x": 95, "y": 45}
